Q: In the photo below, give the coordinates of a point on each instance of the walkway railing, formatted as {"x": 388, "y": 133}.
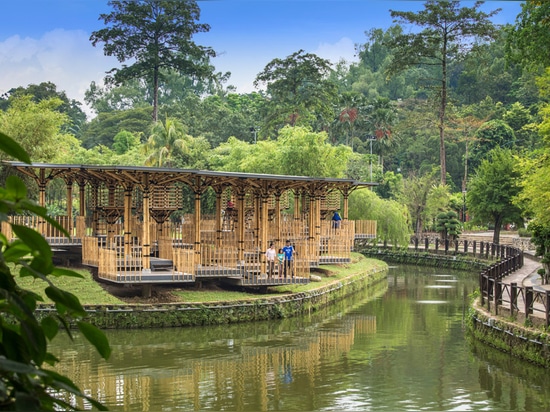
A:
{"x": 497, "y": 294}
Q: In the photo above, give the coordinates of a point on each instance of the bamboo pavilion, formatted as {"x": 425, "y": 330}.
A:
{"x": 143, "y": 225}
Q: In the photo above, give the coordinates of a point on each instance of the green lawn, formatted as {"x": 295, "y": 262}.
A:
{"x": 91, "y": 293}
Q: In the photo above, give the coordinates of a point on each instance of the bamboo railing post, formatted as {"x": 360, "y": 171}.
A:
{"x": 528, "y": 301}
{"x": 547, "y": 307}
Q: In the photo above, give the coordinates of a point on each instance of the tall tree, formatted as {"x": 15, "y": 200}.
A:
{"x": 157, "y": 34}
{"x": 529, "y": 40}
{"x": 492, "y": 190}
{"x": 448, "y": 32}
{"x": 300, "y": 90}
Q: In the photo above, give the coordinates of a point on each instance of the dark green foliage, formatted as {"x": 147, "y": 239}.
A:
{"x": 448, "y": 225}
{"x": 26, "y": 379}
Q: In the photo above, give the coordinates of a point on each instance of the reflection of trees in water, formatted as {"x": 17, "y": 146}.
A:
{"x": 498, "y": 373}
{"x": 223, "y": 366}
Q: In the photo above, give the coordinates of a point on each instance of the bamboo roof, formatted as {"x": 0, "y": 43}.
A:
{"x": 137, "y": 175}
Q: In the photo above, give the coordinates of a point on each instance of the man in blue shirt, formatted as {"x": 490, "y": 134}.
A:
{"x": 288, "y": 250}
{"x": 336, "y": 218}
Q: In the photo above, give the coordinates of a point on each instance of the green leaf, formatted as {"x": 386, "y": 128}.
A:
{"x": 96, "y": 337}
{"x": 16, "y": 188}
{"x": 34, "y": 240}
{"x": 65, "y": 300}
{"x": 66, "y": 272}
{"x": 50, "y": 327}
{"x": 13, "y": 149}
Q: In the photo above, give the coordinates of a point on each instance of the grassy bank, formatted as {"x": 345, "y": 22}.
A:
{"x": 90, "y": 292}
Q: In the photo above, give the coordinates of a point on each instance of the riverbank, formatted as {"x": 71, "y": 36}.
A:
{"x": 523, "y": 337}
{"x": 190, "y": 307}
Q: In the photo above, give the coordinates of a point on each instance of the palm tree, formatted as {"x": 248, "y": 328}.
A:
{"x": 166, "y": 140}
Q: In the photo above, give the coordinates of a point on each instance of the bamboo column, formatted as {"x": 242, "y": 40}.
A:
{"x": 345, "y": 212}
{"x": 82, "y": 208}
{"x": 146, "y": 229}
{"x": 127, "y": 221}
{"x": 219, "y": 234}
{"x": 70, "y": 207}
{"x": 197, "y": 217}
{"x": 42, "y": 183}
{"x": 240, "y": 226}
{"x": 257, "y": 220}
{"x": 263, "y": 228}
{"x": 278, "y": 217}
{"x": 297, "y": 212}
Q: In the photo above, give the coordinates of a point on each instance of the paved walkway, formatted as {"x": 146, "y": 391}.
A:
{"x": 527, "y": 275}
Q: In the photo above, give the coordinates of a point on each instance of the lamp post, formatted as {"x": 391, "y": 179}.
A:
{"x": 254, "y": 130}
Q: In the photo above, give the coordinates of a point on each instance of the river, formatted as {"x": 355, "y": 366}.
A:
{"x": 400, "y": 346}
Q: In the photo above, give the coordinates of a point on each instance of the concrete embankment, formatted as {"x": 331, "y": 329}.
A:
{"x": 223, "y": 312}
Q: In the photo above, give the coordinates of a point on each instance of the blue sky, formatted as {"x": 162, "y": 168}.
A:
{"x": 48, "y": 40}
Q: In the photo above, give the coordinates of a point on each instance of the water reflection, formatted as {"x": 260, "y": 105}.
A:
{"x": 399, "y": 346}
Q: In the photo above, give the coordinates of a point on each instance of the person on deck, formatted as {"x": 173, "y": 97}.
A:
{"x": 336, "y": 219}
{"x": 288, "y": 250}
{"x": 271, "y": 255}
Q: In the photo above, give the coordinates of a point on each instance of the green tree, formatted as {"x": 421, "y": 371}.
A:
{"x": 103, "y": 128}
{"x": 448, "y": 225}
{"x": 124, "y": 141}
{"x": 47, "y": 90}
{"x": 36, "y": 127}
{"x": 492, "y": 191}
{"x": 306, "y": 153}
{"x": 447, "y": 33}
{"x": 300, "y": 90}
{"x": 167, "y": 140}
{"x": 392, "y": 217}
{"x": 529, "y": 40}
{"x": 491, "y": 134}
{"x": 157, "y": 34}
{"x": 27, "y": 381}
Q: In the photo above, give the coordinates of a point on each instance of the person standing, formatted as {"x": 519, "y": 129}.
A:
{"x": 288, "y": 250}
{"x": 270, "y": 255}
{"x": 336, "y": 219}
{"x": 281, "y": 258}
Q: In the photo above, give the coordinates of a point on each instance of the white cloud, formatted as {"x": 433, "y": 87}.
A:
{"x": 63, "y": 57}
{"x": 343, "y": 49}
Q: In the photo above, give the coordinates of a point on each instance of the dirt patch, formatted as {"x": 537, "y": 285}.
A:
{"x": 132, "y": 294}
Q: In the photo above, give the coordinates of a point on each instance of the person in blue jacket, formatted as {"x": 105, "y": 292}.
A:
{"x": 336, "y": 219}
{"x": 288, "y": 250}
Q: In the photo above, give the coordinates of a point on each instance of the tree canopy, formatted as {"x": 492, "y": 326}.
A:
{"x": 157, "y": 34}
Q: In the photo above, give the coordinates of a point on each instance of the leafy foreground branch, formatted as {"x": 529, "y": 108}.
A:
{"x": 27, "y": 381}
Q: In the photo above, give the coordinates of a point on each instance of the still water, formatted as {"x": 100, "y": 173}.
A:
{"x": 399, "y": 346}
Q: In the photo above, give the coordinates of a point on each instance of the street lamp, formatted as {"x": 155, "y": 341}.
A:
{"x": 254, "y": 130}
